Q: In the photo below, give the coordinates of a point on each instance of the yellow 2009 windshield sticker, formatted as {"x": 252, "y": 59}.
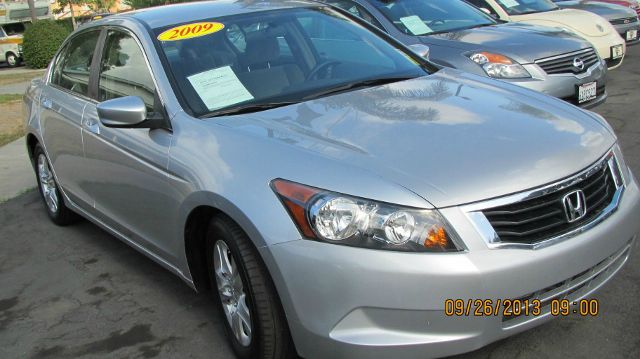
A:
{"x": 190, "y": 30}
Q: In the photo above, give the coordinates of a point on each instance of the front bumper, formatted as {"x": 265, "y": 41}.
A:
{"x": 564, "y": 86}
{"x": 344, "y": 302}
{"x": 623, "y": 28}
{"x": 603, "y": 46}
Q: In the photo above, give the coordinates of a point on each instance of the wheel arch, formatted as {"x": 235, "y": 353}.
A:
{"x": 196, "y": 221}
{"x": 32, "y": 141}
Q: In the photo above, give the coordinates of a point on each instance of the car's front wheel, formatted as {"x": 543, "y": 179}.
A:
{"x": 253, "y": 317}
{"x": 59, "y": 213}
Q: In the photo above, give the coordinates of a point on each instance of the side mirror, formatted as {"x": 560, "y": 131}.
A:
{"x": 123, "y": 112}
{"x": 420, "y": 50}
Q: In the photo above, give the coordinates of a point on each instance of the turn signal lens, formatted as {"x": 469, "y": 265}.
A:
{"x": 499, "y": 66}
{"x": 487, "y": 57}
{"x": 437, "y": 238}
{"x": 295, "y": 196}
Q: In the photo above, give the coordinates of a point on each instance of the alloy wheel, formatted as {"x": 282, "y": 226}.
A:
{"x": 232, "y": 293}
{"x": 47, "y": 184}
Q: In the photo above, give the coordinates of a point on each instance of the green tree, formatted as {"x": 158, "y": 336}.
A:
{"x": 63, "y": 4}
{"x": 101, "y": 5}
{"x": 139, "y": 4}
{"x": 40, "y": 42}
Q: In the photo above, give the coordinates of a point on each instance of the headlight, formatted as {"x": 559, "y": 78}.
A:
{"x": 499, "y": 66}
{"x": 341, "y": 219}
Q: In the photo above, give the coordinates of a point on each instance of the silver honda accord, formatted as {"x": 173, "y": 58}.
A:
{"x": 340, "y": 196}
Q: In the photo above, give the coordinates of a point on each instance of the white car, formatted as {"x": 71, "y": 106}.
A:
{"x": 604, "y": 37}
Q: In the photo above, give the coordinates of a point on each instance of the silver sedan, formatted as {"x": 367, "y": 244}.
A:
{"x": 341, "y": 196}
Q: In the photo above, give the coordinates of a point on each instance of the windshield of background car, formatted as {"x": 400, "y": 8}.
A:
{"x": 424, "y": 17}
{"x": 13, "y": 29}
{"x": 277, "y": 56}
{"x": 520, "y": 7}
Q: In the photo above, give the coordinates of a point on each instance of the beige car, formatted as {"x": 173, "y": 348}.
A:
{"x": 595, "y": 29}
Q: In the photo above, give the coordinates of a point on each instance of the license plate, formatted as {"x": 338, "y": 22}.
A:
{"x": 617, "y": 51}
{"x": 587, "y": 92}
{"x": 632, "y": 35}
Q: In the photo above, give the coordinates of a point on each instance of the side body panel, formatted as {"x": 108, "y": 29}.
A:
{"x": 60, "y": 121}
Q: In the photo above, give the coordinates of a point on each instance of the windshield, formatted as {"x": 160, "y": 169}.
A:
{"x": 520, "y": 7}
{"x": 424, "y": 17}
{"x": 13, "y": 29}
{"x": 261, "y": 60}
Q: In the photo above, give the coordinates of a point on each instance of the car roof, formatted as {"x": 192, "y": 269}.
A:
{"x": 162, "y": 16}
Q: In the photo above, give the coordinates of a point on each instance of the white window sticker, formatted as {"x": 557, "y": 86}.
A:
{"x": 509, "y": 3}
{"x": 415, "y": 24}
{"x": 219, "y": 88}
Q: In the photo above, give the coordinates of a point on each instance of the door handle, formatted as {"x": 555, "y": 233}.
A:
{"x": 46, "y": 103}
{"x": 91, "y": 125}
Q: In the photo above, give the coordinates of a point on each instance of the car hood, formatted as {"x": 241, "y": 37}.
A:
{"x": 451, "y": 137}
{"x": 522, "y": 42}
{"x": 606, "y": 10}
{"x": 579, "y": 21}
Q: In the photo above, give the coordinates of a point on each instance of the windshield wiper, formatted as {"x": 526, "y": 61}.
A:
{"x": 252, "y": 107}
{"x": 461, "y": 29}
{"x": 355, "y": 85}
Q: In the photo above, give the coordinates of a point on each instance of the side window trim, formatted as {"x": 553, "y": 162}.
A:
{"x": 94, "y": 72}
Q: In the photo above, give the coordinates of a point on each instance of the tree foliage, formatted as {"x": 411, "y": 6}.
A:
{"x": 139, "y": 4}
{"x": 101, "y": 5}
{"x": 40, "y": 42}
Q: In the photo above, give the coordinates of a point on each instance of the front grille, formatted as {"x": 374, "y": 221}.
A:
{"x": 564, "y": 64}
{"x": 534, "y": 220}
{"x": 571, "y": 289}
{"x": 624, "y": 21}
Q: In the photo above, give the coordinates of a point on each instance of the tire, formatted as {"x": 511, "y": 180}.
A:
{"x": 52, "y": 199}
{"x": 12, "y": 59}
{"x": 269, "y": 336}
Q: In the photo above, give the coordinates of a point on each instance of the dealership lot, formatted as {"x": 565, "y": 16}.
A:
{"x": 78, "y": 292}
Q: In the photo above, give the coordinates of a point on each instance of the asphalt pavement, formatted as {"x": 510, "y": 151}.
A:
{"x": 79, "y": 292}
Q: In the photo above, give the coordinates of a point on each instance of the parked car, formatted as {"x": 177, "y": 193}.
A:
{"x": 334, "y": 189}
{"x": 623, "y": 19}
{"x": 602, "y": 35}
{"x": 463, "y": 37}
{"x": 11, "y": 43}
{"x": 633, "y": 4}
